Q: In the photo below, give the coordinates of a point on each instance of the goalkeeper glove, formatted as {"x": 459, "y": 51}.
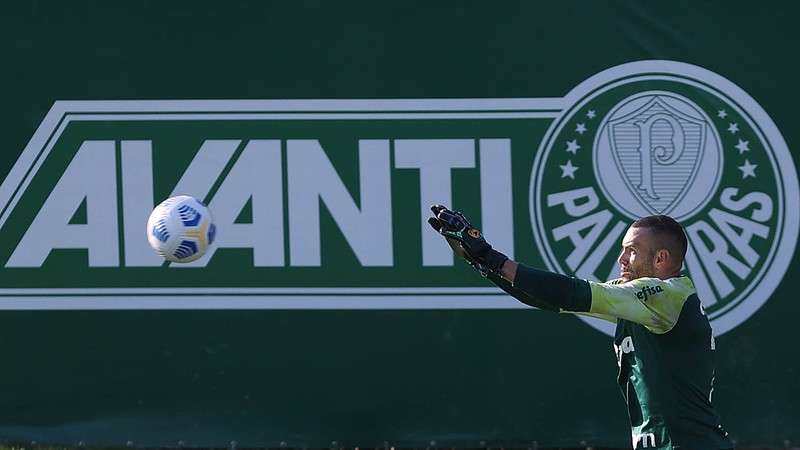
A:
{"x": 466, "y": 241}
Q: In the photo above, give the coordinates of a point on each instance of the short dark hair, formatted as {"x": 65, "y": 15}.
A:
{"x": 668, "y": 231}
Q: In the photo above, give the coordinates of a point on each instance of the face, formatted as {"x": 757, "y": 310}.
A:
{"x": 637, "y": 259}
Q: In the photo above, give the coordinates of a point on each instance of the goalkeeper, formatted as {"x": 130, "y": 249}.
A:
{"x": 663, "y": 341}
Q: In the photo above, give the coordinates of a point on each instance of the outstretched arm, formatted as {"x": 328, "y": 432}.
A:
{"x": 651, "y": 302}
{"x": 557, "y": 292}
{"x": 561, "y": 291}
{"x": 520, "y": 295}
{"x": 539, "y": 288}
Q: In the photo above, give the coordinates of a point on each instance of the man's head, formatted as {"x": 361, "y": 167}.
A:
{"x": 653, "y": 246}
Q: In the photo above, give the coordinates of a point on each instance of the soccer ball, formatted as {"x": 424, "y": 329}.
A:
{"x": 180, "y": 229}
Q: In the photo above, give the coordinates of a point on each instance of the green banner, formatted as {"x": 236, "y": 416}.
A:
{"x": 327, "y": 313}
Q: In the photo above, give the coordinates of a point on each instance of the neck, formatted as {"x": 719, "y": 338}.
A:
{"x": 669, "y": 274}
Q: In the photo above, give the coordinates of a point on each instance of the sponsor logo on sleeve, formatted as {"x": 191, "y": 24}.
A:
{"x": 648, "y": 291}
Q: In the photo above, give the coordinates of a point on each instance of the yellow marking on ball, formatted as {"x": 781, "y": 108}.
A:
{"x": 200, "y": 233}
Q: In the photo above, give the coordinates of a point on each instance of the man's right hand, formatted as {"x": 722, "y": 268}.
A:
{"x": 465, "y": 240}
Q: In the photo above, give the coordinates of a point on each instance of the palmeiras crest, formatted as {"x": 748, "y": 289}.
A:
{"x": 657, "y": 154}
{"x": 666, "y": 137}
{"x": 656, "y": 150}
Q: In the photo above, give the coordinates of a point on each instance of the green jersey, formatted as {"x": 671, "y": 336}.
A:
{"x": 664, "y": 348}
{"x": 665, "y": 352}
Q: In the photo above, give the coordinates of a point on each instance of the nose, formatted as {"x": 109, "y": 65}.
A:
{"x": 622, "y": 259}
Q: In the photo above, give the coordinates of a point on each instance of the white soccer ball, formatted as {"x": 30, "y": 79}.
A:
{"x": 180, "y": 229}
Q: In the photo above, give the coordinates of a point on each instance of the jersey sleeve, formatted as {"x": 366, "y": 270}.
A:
{"x": 651, "y": 302}
{"x": 520, "y": 295}
{"x": 606, "y": 317}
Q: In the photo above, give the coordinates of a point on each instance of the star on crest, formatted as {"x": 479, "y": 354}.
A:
{"x": 733, "y": 127}
{"x": 568, "y": 170}
{"x": 748, "y": 169}
{"x": 572, "y": 146}
{"x": 591, "y": 114}
{"x": 742, "y": 146}
{"x": 722, "y": 114}
{"x": 581, "y": 128}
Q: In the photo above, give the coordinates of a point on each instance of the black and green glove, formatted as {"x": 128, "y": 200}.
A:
{"x": 466, "y": 241}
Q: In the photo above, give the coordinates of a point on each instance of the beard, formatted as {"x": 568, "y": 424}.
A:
{"x": 640, "y": 270}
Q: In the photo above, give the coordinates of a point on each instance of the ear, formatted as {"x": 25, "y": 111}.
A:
{"x": 662, "y": 257}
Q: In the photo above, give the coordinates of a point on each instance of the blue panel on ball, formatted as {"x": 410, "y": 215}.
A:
{"x": 212, "y": 233}
{"x": 189, "y": 216}
{"x": 160, "y": 230}
{"x": 185, "y": 250}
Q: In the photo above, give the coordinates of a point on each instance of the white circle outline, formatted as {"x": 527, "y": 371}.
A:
{"x": 757, "y": 118}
